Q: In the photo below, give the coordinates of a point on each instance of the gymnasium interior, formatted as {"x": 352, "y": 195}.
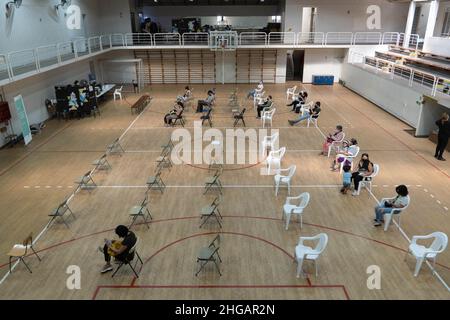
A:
{"x": 224, "y": 150}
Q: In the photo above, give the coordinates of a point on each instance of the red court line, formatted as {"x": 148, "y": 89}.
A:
{"x": 229, "y": 216}
{"x": 97, "y": 290}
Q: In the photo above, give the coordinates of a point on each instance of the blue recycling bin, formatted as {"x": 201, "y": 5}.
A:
{"x": 323, "y": 80}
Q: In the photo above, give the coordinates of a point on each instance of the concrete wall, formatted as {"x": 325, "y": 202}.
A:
{"x": 346, "y": 15}
{"x": 443, "y": 7}
{"x": 437, "y": 45}
{"x": 323, "y": 62}
{"x": 114, "y": 16}
{"x": 399, "y": 100}
{"x": 431, "y": 111}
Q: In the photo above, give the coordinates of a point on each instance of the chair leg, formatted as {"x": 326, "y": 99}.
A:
{"x": 301, "y": 221}
{"x": 387, "y": 221}
{"x": 299, "y": 266}
{"x": 21, "y": 259}
{"x": 288, "y": 219}
{"x": 32, "y": 249}
{"x": 135, "y": 273}
{"x": 418, "y": 266}
{"x": 202, "y": 265}
{"x": 118, "y": 268}
{"x": 10, "y": 269}
{"x": 217, "y": 266}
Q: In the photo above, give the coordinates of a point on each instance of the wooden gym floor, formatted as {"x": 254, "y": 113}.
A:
{"x": 256, "y": 250}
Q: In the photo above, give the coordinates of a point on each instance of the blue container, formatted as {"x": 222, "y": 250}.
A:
{"x": 323, "y": 80}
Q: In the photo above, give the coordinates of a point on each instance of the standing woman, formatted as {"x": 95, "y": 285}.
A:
{"x": 443, "y": 135}
{"x": 365, "y": 168}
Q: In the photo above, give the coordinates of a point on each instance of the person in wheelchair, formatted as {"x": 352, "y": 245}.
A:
{"x": 119, "y": 249}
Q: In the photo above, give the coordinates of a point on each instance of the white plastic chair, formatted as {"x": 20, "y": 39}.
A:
{"x": 290, "y": 92}
{"x": 350, "y": 159}
{"x": 268, "y": 116}
{"x": 258, "y": 98}
{"x": 334, "y": 144}
{"x": 269, "y": 142}
{"x": 303, "y": 252}
{"x": 422, "y": 253}
{"x": 306, "y": 106}
{"x": 118, "y": 93}
{"x": 397, "y": 211}
{"x": 367, "y": 180}
{"x": 274, "y": 159}
{"x": 285, "y": 179}
{"x": 315, "y": 121}
{"x": 291, "y": 208}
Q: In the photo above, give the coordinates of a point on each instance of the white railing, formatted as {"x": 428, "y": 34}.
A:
{"x": 311, "y": 38}
{"x": 412, "y": 43}
{"x": 339, "y": 38}
{"x": 413, "y": 76}
{"x": 167, "y": 39}
{"x": 21, "y": 62}
{"x": 81, "y": 47}
{"x": 391, "y": 38}
{"x": 367, "y": 38}
{"x": 94, "y": 44}
{"x": 5, "y": 72}
{"x": 47, "y": 56}
{"x": 66, "y": 51}
{"x": 33, "y": 59}
{"x": 105, "y": 41}
{"x": 445, "y": 35}
{"x": 253, "y": 39}
{"x": 195, "y": 39}
{"x": 117, "y": 40}
{"x": 138, "y": 39}
{"x": 282, "y": 38}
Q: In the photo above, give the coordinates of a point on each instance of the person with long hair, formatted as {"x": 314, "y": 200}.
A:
{"x": 365, "y": 168}
{"x": 118, "y": 248}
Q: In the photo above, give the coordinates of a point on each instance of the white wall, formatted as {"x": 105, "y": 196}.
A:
{"x": 229, "y": 66}
{"x": 437, "y": 45}
{"x": 346, "y": 15}
{"x": 36, "y": 23}
{"x": 399, "y": 100}
{"x": 431, "y": 111}
{"x": 117, "y": 72}
{"x": 443, "y": 7}
{"x": 281, "y": 66}
{"x": 323, "y": 62}
{"x": 423, "y": 19}
{"x": 37, "y": 88}
{"x": 114, "y": 16}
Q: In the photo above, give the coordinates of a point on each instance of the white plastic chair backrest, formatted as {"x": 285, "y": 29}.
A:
{"x": 376, "y": 170}
{"x": 270, "y": 113}
{"x": 304, "y": 199}
{"x": 405, "y": 207}
{"x": 278, "y": 153}
{"x": 118, "y": 90}
{"x": 274, "y": 137}
{"x": 322, "y": 243}
{"x": 291, "y": 172}
{"x": 440, "y": 242}
{"x": 357, "y": 149}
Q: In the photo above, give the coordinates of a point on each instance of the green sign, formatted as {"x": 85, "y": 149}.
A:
{"x": 22, "y": 114}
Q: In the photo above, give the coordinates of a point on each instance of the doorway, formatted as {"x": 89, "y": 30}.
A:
{"x": 309, "y": 19}
{"x": 295, "y": 61}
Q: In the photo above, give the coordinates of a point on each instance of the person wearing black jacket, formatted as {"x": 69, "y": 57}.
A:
{"x": 444, "y": 133}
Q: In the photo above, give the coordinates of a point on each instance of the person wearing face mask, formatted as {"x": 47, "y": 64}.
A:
{"x": 365, "y": 168}
{"x": 444, "y": 133}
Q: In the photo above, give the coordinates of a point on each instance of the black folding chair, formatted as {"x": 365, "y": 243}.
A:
{"x": 19, "y": 251}
{"x": 86, "y": 181}
{"x": 156, "y": 182}
{"x": 210, "y": 254}
{"x": 238, "y": 117}
{"x": 164, "y": 160}
{"x": 207, "y": 117}
{"x": 141, "y": 211}
{"x": 213, "y": 182}
{"x": 132, "y": 253}
{"x": 179, "y": 119}
{"x": 102, "y": 163}
{"x": 115, "y": 148}
{"x": 211, "y": 211}
{"x": 60, "y": 211}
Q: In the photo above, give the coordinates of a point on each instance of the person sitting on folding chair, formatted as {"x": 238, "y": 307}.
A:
{"x": 116, "y": 248}
{"x": 313, "y": 113}
{"x": 205, "y": 103}
{"x": 174, "y": 113}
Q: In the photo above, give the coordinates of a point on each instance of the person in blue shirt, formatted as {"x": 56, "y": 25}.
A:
{"x": 346, "y": 179}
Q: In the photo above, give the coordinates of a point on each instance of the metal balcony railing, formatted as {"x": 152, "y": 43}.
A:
{"x": 32, "y": 60}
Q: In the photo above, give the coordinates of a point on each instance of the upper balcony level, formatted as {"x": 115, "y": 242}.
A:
{"x": 18, "y": 65}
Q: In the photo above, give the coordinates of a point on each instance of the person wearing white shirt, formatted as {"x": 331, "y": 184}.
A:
{"x": 400, "y": 201}
{"x": 258, "y": 89}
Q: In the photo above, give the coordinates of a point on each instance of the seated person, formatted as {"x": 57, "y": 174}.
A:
{"x": 337, "y": 135}
{"x": 205, "y": 103}
{"x": 187, "y": 94}
{"x": 299, "y": 100}
{"x": 313, "y": 113}
{"x": 175, "y": 113}
{"x": 116, "y": 248}
{"x": 135, "y": 86}
{"x": 400, "y": 201}
{"x": 349, "y": 149}
{"x": 365, "y": 168}
{"x": 259, "y": 89}
{"x": 266, "y": 104}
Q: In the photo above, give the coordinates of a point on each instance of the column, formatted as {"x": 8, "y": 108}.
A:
{"x": 431, "y": 23}
{"x": 409, "y": 23}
